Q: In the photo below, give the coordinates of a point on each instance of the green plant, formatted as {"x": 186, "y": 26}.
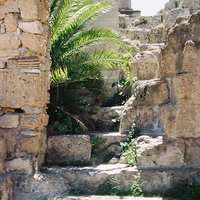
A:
{"x": 107, "y": 157}
{"x": 74, "y": 68}
{"x": 115, "y": 122}
{"x": 137, "y": 188}
{"x": 181, "y": 6}
{"x": 121, "y": 96}
{"x": 144, "y": 20}
{"x": 76, "y": 192}
{"x": 129, "y": 146}
{"x": 45, "y": 198}
{"x": 96, "y": 143}
{"x": 185, "y": 190}
{"x": 112, "y": 187}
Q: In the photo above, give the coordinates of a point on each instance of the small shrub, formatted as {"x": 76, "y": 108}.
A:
{"x": 112, "y": 187}
{"x": 181, "y": 6}
{"x": 129, "y": 146}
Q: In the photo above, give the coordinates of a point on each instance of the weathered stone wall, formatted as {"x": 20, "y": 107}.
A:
{"x": 24, "y": 84}
{"x": 167, "y": 109}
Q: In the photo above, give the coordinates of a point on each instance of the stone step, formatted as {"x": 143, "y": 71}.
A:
{"x": 89, "y": 178}
{"x": 71, "y": 148}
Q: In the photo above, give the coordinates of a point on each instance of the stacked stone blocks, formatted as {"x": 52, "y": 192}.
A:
{"x": 166, "y": 109}
{"x": 24, "y": 83}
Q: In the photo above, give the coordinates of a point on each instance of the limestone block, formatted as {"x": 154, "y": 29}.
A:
{"x": 11, "y": 141}
{"x": 159, "y": 152}
{"x": 19, "y": 166}
{"x": 192, "y": 152}
{"x": 42, "y": 184}
{"x": 31, "y": 27}
{"x": 2, "y": 64}
{"x": 35, "y": 43}
{"x": 171, "y": 16}
{"x": 33, "y": 94}
{"x": 180, "y": 120}
{"x": 68, "y": 148}
{"x": 142, "y": 116}
{"x": 145, "y": 65}
{"x": 9, "y": 41}
{"x": 32, "y": 110}
{"x": 138, "y": 34}
{"x": 190, "y": 58}
{"x": 150, "y": 92}
{"x": 11, "y": 23}
{"x": 3, "y": 11}
{"x": 187, "y": 86}
{"x": 10, "y": 53}
{"x": 13, "y": 7}
{"x": 6, "y": 187}
{"x": 181, "y": 52}
{"x": 9, "y": 121}
{"x": 33, "y": 121}
{"x": 30, "y": 144}
{"x": 157, "y": 34}
{"x": 32, "y": 10}
{"x": 168, "y": 61}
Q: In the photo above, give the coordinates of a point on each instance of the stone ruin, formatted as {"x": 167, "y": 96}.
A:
{"x": 163, "y": 104}
{"x": 24, "y": 84}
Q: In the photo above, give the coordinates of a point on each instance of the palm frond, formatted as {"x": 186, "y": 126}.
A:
{"x": 77, "y": 22}
{"x": 88, "y": 65}
{"x": 94, "y": 36}
{"x": 62, "y": 11}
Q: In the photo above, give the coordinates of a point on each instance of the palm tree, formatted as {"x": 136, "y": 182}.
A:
{"x": 73, "y": 67}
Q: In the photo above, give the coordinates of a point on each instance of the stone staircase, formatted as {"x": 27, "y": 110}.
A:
{"x": 160, "y": 158}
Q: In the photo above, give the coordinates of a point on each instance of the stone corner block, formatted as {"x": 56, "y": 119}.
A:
{"x": 160, "y": 152}
{"x": 149, "y": 92}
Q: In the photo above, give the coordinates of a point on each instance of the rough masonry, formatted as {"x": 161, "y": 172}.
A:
{"x": 24, "y": 84}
